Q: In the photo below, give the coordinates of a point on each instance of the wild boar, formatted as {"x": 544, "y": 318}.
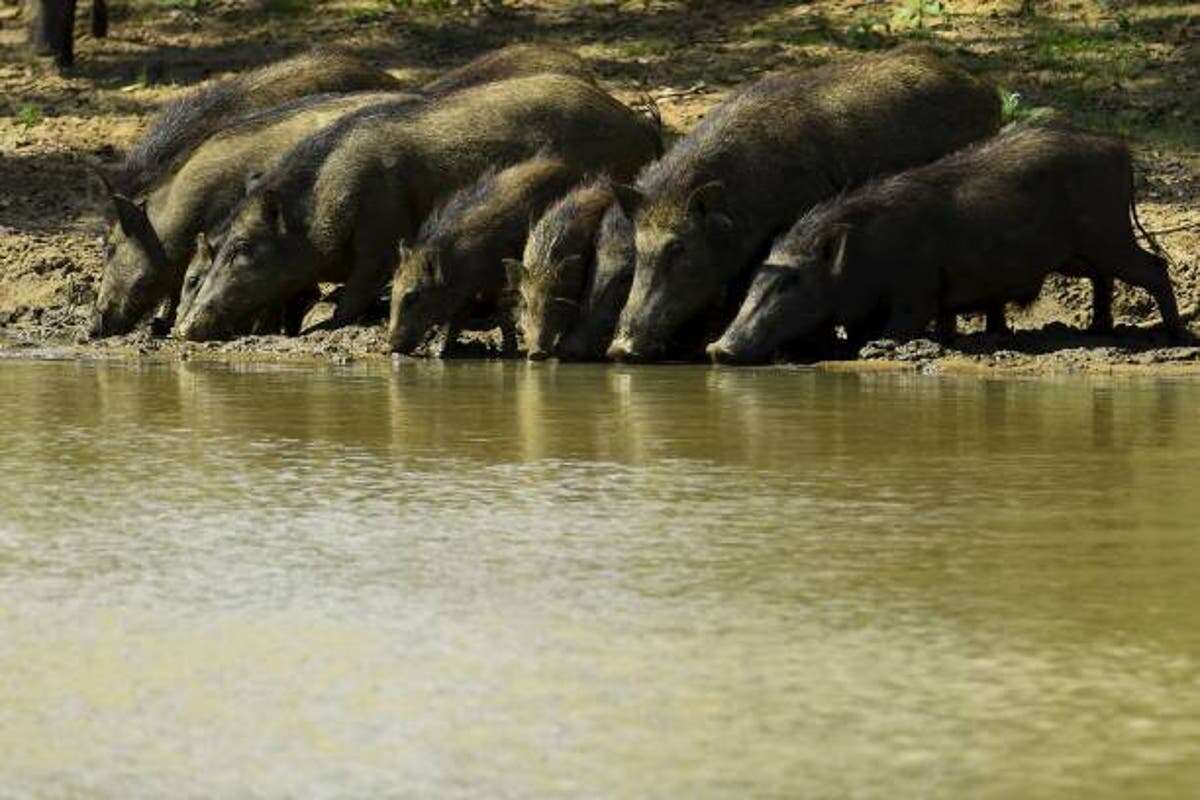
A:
{"x": 456, "y": 268}
{"x": 551, "y": 278}
{"x": 705, "y": 213}
{"x": 514, "y": 61}
{"x": 147, "y": 250}
{"x": 186, "y": 122}
{"x": 968, "y": 233}
{"x": 286, "y": 318}
{"x": 337, "y": 207}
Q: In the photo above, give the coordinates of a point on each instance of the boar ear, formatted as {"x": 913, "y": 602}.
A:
{"x": 707, "y": 199}
{"x": 708, "y": 203}
{"x": 131, "y": 216}
{"x": 513, "y": 269}
{"x": 253, "y": 179}
{"x": 100, "y": 174}
{"x": 204, "y": 247}
{"x": 628, "y": 198}
{"x": 273, "y": 211}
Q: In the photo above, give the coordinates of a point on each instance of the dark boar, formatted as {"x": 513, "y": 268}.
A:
{"x": 708, "y": 209}
{"x": 147, "y": 250}
{"x": 336, "y": 208}
{"x": 606, "y": 291}
{"x": 286, "y": 318}
{"x": 514, "y": 61}
{"x": 968, "y": 233}
{"x": 551, "y": 278}
{"x": 457, "y": 266}
{"x": 186, "y": 122}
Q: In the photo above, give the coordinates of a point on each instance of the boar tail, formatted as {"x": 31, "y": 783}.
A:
{"x": 1149, "y": 237}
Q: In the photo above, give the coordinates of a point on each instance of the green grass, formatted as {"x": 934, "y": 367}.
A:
{"x": 1106, "y": 54}
{"x": 29, "y": 115}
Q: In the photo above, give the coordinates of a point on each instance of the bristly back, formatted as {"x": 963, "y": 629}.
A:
{"x": 458, "y": 205}
{"x": 296, "y": 173}
{"x": 558, "y": 219}
{"x": 704, "y": 141}
{"x": 176, "y": 132}
{"x": 186, "y": 122}
{"x": 999, "y": 153}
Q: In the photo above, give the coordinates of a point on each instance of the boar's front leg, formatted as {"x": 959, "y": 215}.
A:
{"x": 1102, "y": 292}
{"x": 913, "y": 308}
{"x": 508, "y": 330}
{"x": 997, "y": 323}
{"x": 374, "y": 259}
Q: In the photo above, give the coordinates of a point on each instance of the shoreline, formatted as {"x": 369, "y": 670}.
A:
{"x": 1053, "y": 351}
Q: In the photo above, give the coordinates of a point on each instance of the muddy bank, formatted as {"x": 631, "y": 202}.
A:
{"x": 1054, "y": 349}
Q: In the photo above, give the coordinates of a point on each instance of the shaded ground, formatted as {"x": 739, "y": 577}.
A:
{"x": 1121, "y": 67}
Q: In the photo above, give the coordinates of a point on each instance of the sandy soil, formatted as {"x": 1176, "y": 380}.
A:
{"x": 1132, "y": 69}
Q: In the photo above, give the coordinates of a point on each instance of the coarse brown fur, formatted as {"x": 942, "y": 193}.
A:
{"x": 709, "y": 208}
{"x": 148, "y": 249}
{"x": 336, "y": 208}
{"x": 457, "y": 263}
{"x": 186, "y": 122}
{"x": 552, "y": 276}
{"x": 969, "y": 233}
{"x": 514, "y": 61}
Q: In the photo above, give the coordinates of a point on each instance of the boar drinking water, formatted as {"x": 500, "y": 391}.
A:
{"x": 337, "y": 207}
{"x": 551, "y": 278}
{"x": 456, "y": 268}
{"x": 965, "y": 234}
{"x": 203, "y": 190}
{"x": 147, "y": 251}
{"x": 708, "y": 209}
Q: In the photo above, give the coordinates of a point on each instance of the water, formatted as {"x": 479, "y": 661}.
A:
{"x": 502, "y": 580}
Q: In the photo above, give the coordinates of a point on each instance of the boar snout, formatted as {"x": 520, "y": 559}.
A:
{"x": 621, "y": 349}
{"x": 723, "y": 352}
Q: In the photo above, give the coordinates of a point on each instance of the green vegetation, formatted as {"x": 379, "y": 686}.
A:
{"x": 916, "y": 14}
{"x": 29, "y": 115}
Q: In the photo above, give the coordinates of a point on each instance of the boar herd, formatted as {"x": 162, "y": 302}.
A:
{"x": 871, "y": 198}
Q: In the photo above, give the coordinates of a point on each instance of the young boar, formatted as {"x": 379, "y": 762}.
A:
{"x": 147, "y": 250}
{"x": 551, "y": 278}
{"x": 457, "y": 266}
{"x": 337, "y": 207}
{"x": 708, "y": 209}
{"x": 286, "y": 318}
{"x": 514, "y": 61}
{"x": 184, "y": 123}
{"x": 968, "y": 233}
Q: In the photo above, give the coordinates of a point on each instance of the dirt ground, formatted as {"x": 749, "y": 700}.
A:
{"x": 1127, "y": 68}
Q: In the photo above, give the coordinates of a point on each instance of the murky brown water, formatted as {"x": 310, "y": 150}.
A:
{"x": 508, "y": 581}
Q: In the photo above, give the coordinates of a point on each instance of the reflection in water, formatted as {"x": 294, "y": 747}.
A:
{"x": 607, "y": 581}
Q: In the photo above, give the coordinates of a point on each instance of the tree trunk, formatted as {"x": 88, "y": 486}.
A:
{"x": 52, "y": 29}
{"x": 99, "y": 18}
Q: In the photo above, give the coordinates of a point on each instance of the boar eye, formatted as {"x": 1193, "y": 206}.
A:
{"x": 672, "y": 251}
